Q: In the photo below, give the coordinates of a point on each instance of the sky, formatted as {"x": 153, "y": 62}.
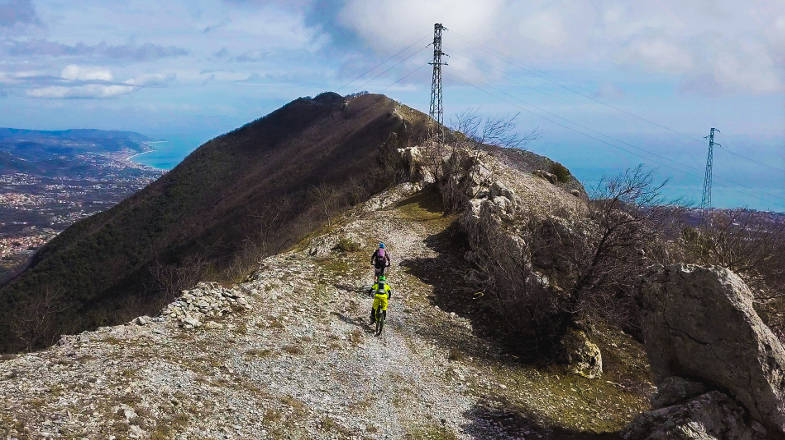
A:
{"x": 607, "y": 84}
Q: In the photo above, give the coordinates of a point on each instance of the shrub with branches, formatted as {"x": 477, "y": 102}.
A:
{"x": 498, "y": 131}
{"x": 35, "y": 322}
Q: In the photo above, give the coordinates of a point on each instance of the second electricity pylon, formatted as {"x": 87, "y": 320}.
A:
{"x": 706, "y": 199}
{"x": 437, "y": 112}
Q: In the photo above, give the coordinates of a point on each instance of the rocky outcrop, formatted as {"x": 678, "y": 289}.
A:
{"x": 699, "y": 322}
{"x": 203, "y": 305}
{"x": 550, "y": 177}
{"x": 675, "y": 389}
{"x": 710, "y": 416}
{"x": 582, "y": 355}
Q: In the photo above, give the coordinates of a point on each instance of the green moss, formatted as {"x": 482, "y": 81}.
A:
{"x": 554, "y": 398}
{"x": 430, "y": 432}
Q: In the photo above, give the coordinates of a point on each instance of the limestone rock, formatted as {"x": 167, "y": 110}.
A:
{"x": 550, "y": 177}
{"x": 710, "y": 416}
{"x": 582, "y": 355}
{"x": 674, "y": 389}
{"x": 699, "y": 322}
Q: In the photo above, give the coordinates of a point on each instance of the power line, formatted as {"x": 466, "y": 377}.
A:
{"x": 391, "y": 57}
{"x": 396, "y": 64}
{"x": 506, "y": 58}
{"x": 675, "y": 166}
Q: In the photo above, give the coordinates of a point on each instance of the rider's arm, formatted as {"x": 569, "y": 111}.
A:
{"x": 373, "y": 257}
{"x": 389, "y": 292}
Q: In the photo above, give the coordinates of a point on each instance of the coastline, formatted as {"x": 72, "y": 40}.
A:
{"x": 148, "y": 145}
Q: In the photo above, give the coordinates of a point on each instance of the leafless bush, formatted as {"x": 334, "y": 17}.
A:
{"x": 624, "y": 244}
{"x": 35, "y": 320}
{"x": 498, "y": 131}
{"x": 744, "y": 241}
{"x": 171, "y": 279}
{"x": 523, "y": 305}
{"x": 327, "y": 199}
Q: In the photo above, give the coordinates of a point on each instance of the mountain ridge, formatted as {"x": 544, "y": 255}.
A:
{"x": 264, "y": 178}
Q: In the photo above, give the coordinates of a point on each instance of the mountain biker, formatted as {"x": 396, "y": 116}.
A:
{"x": 382, "y": 293}
{"x": 380, "y": 260}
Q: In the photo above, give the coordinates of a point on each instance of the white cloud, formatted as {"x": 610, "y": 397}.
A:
{"x": 151, "y": 79}
{"x": 72, "y": 72}
{"x": 660, "y": 55}
{"x": 739, "y": 46}
{"x": 82, "y": 91}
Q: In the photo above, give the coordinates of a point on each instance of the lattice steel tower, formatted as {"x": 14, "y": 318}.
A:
{"x": 437, "y": 112}
{"x": 706, "y": 199}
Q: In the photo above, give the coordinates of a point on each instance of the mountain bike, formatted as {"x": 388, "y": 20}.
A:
{"x": 379, "y": 318}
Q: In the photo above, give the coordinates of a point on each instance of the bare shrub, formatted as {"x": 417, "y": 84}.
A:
{"x": 623, "y": 245}
{"x": 327, "y": 199}
{"x": 744, "y": 241}
{"x": 523, "y": 306}
{"x": 35, "y": 319}
{"x": 176, "y": 277}
{"x": 498, "y": 131}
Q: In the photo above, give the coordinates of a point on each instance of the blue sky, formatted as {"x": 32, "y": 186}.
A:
{"x": 608, "y": 83}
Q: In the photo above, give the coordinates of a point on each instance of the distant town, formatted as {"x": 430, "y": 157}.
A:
{"x": 41, "y": 193}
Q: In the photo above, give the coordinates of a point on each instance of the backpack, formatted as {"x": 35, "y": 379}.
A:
{"x": 380, "y": 258}
{"x": 380, "y": 288}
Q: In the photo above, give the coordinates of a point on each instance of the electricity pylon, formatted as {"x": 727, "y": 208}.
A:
{"x": 437, "y": 112}
{"x": 706, "y": 199}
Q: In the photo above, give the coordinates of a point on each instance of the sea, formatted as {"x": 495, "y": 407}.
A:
{"x": 736, "y": 184}
{"x": 167, "y": 153}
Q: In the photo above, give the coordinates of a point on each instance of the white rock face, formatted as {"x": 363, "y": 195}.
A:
{"x": 699, "y": 322}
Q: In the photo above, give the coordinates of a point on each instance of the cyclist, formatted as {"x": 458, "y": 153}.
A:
{"x": 380, "y": 260}
{"x": 382, "y": 293}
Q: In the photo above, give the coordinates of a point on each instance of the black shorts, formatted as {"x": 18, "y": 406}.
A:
{"x": 380, "y": 270}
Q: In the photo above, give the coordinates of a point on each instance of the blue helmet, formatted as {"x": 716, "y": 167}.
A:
{"x": 381, "y": 245}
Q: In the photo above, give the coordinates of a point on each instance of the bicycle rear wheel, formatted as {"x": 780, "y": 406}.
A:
{"x": 379, "y": 322}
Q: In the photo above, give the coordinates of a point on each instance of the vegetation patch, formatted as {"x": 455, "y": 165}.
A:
{"x": 334, "y": 266}
{"x": 346, "y": 245}
{"x": 431, "y": 432}
{"x": 560, "y": 171}
{"x": 293, "y": 350}
{"x": 258, "y": 352}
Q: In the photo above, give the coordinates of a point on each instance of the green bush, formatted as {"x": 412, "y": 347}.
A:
{"x": 560, "y": 171}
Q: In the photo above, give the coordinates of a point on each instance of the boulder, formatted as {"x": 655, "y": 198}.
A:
{"x": 550, "y": 177}
{"x": 699, "y": 322}
{"x": 710, "y": 416}
{"x": 674, "y": 390}
{"x": 582, "y": 355}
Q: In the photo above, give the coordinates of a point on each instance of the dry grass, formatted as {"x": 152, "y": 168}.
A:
{"x": 293, "y": 349}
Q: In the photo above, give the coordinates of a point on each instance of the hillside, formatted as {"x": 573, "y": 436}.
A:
{"x": 50, "y": 179}
{"x": 248, "y": 193}
{"x": 291, "y": 355}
